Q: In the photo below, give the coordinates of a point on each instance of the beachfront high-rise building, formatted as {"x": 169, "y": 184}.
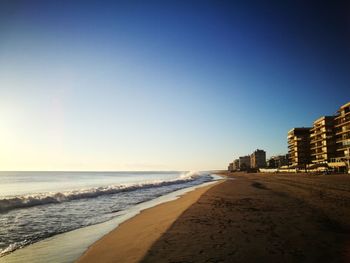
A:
{"x": 299, "y": 146}
{"x": 258, "y": 159}
{"x": 277, "y": 161}
{"x": 322, "y": 140}
{"x": 342, "y": 134}
{"x": 328, "y": 142}
{"x": 236, "y": 164}
{"x": 230, "y": 167}
{"x": 244, "y": 162}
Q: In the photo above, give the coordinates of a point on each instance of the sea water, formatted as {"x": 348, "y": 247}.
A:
{"x": 35, "y": 206}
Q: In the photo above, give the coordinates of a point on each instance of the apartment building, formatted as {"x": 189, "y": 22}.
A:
{"x": 322, "y": 140}
{"x": 236, "y": 164}
{"x": 258, "y": 159}
{"x": 278, "y": 161}
{"x": 342, "y": 134}
{"x": 230, "y": 167}
{"x": 244, "y": 162}
{"x": 299, "y": 146}
{"x": 326, "y": 143}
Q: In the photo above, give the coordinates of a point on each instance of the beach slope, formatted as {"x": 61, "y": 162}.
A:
{"x": 132, "y": 239}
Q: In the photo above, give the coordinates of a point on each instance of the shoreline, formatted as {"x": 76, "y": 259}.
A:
{"x": 131, "y": 240}
{"x": 69, "y": 246}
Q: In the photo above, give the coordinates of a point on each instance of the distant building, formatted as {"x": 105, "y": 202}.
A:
{"x": 277, "y": 161}
{"x": 271, "y": 163}
{"x": 342, "y": 136}
{"x": 244, "y": 162}
{"x": 258, "y": 159}
{"x": 322, "y": 140}
{"x": 326, "y": 144}
{"x": 299, "y": 146}
{"x": 236, "y": 165}
{"x": 230, "y": 167}
{"x": 343, "y": 131}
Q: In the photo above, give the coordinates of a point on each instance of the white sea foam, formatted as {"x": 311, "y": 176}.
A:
{"x": 9, "y": 203}
{"x": 13, "y": 247}
{"x": 63, "y": 247}
{"x": 22, "y": 226}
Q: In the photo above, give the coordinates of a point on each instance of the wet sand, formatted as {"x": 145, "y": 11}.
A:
{"x": 252, "y": 218}
{"x": 132, "y": 239}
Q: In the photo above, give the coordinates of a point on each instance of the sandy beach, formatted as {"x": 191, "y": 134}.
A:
{"x": 132, "y": 239}
{"x": 246, "y": 218}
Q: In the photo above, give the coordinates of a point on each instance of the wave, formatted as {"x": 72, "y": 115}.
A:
{"x": 25, "y": 201}
{"x": 14, "y": 246}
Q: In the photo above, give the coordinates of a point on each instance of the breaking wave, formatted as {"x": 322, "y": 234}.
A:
{"x": 24, "y": 201}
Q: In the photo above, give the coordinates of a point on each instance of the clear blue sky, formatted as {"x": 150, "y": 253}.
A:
{"x": 164, "y": 85}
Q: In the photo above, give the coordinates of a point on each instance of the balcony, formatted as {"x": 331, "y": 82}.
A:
{"x": 344, "y": 137}
{"x": 342, "y": 148}
{"x": 318, "y": 139}
{"x": 315, "y": 146}
{"x": 344, "y": 129}
{"x": 342, "y": 121}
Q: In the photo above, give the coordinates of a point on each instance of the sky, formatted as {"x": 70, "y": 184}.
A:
{"x": 164, "y": 85}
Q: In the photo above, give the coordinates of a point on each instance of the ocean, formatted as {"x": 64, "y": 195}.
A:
{"x": 35, "y": 206}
